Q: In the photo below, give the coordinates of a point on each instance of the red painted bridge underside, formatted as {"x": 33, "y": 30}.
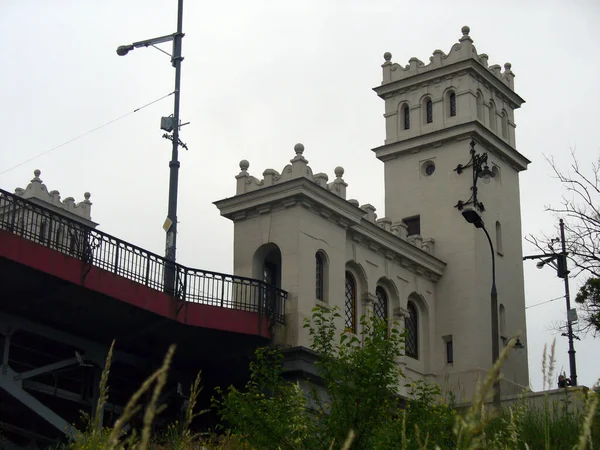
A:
{"x": 65, "y": 267}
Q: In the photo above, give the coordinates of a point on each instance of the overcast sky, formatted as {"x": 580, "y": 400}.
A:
{"x": 260, "y": 76}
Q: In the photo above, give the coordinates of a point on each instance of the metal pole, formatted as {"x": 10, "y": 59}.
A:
{"x": 171, "y": 238}
{"x": 572, "y": 365}
{"x": 494, "y": 309}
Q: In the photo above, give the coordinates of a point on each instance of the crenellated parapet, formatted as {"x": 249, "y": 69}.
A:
{"x": 298, "y": 168}
{"x": 461, "y": 51}
{"x": 36, "y": 189}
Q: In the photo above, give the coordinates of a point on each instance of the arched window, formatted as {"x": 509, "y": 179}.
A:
{"x": 452, "y": 103}
{"x": 492, "y": 116}
{"x": 43, "y": 232}
{"x": 58, "y": 236}
{"x": 499, "y": 248}
{"x": 350, "y": 304}
{"x": 411, "y": 324}
{"x": 480, "y": 106}
{"x": 406, "y": 117}
{"x": 504, "y": 125}
{"x": 320, "y": 277}
{"x": 428, "y": 110}
{"x": 380, "y": 308}
{"x": 502, "y": 320}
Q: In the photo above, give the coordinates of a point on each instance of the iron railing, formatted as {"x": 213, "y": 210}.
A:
{"x": 96, "y": 248}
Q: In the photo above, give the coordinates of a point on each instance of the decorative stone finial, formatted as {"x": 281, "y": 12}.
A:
{"x": 37, "y": 172}
{"x": 244, "y": 164}
{"x": 36, "y": 176}
{"x": 339, "y": 171}
{"x": 87, "y": 195}
{"x": 507, "y": 66}
{"x": 387, "y": 56}
{"x": 465, "y": 30}
{"x": 299, "y": 149}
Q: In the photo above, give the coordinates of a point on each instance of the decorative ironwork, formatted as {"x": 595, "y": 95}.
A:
{"x": 106, "y": 252}
{"x": 380, "y": 307}
{"x": 480, "y": 170}
{"x": 452, "y": 104}
{"x": 411, "y": 324}
{"x": 429, "y": 108}
{"x": 320, "y": 277}
{"x": 350, "y": 304}
{"x": 406, "y": 115}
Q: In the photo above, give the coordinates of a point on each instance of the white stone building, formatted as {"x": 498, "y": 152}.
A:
{"x": 422, "y": 264}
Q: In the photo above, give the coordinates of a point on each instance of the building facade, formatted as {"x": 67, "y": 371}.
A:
{"x": 421, "y": 264}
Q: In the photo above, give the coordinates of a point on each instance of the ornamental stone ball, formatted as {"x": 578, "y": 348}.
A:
{"x": 387, "y": 56}
{"x": 465, "y": 30}
{"x": 339, "y": 171}
{"x": 299, "y": 149}
{"x": 244, "y": 164}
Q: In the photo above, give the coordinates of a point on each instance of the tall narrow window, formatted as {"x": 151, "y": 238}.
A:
{"x": 449, "y": 351}
{"x": 502, "y": 320}
{"x": 411, "y": 324}
{"x": 429, "y": 110}
{"x": 406, "y": 117}
{"x": 452, "y": 101}
{"x": 492, "y": 116}
{"x": 43, "y": 232}
{"x": 380, "y": 308}
{"x": 499, "y": 248}
{"x": 350, "y": 304}
{"x": 504, "y": 125}
{"x": 480, "y": 106}
{"x": 320, "y": 275}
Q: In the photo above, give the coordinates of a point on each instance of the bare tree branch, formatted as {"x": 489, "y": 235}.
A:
{"x": 580, "y": 210}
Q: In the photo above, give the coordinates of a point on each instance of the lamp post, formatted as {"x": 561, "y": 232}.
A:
{"x": 481, "y": 170}
{"x": 169, "y": 124}
{"x": 559, "y": 262}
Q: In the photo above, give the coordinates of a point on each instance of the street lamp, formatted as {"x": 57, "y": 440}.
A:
{"x": 559, "y": 262}
{"x": 169, "y": 124}
{"x": 481, "y": 170}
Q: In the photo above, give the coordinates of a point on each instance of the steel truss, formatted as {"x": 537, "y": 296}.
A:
{"x": 23, "y": 374}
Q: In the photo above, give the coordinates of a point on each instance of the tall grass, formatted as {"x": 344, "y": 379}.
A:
{"x": 557, "y": 425}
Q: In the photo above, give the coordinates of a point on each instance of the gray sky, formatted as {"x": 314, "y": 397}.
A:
{"x": 257, "y": 78}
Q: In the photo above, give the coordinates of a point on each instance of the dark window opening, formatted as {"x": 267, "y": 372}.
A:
{"x": 320, "y": 277}
{"x": 449, "y": 352}
{"x": 406, "y": 116}
{"x": 413, "y": 225}
{"x": 411, "y": 324}
{"x": 350, "y": 304}
{"x": 452, "y": 104}
{"x": 380, "y": 308}
{"x": 429, "y": 108}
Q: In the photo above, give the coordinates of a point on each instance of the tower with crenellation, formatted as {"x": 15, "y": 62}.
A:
{"x": 433, "y": 114}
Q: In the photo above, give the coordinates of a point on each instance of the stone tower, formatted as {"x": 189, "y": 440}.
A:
{"x": 432, "y": 113}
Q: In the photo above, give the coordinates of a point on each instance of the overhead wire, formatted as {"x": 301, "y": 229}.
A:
{"x": 86, "y": 133}
{"x": 547, "y": 301}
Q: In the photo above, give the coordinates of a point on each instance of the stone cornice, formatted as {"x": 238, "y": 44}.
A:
{"x": 470, "y": 66}
{"x": 473, "y": 129}
{"x": 302, "y": 192}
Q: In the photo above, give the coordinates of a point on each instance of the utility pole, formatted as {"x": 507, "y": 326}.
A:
{"x": 563, "y": 270}
{"x": 559, "y": 262}
{"x": 168, "y": 124}
{"x": 171, "y": 238}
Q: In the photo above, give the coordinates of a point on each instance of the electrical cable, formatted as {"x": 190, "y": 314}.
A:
{"x": 85, "y": 134}
{"x": 547, "y": 301}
